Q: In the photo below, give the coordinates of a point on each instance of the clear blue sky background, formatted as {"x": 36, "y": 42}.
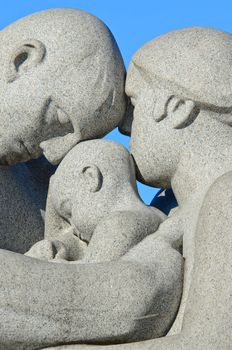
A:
{"x": 133, "y": 22}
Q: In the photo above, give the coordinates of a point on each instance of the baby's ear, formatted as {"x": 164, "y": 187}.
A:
{"x": 92, "y": 177}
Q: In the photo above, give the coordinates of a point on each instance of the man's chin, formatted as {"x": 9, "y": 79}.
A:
{"x": 17, "y": 151}
{"x": 13, "y": 159}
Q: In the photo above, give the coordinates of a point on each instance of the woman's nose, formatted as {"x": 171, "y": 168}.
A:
{"x": 126, "y": 123}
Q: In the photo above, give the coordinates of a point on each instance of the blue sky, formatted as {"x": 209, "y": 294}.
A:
{"x": 133, "y": 23}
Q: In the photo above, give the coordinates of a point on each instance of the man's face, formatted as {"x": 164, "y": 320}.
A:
{"x": 27, "y": 113}
{"x": 154, "y": 145}
{"x": 21, "y": 124}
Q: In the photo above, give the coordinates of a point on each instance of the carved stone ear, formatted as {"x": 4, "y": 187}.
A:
{"x": 28, "y": 55}
{"x": 93, "y": 177}
{"x": 161, "y": 100}
{"x": 181, "y": 112}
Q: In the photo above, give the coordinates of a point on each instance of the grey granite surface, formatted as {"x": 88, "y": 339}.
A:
{"x": 109, "y": 272}
{"x": 62, "y": 81}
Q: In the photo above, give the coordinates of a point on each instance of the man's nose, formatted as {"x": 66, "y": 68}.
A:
{"x": 126, "y": 123}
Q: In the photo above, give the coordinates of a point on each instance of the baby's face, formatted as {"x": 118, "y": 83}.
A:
{"x": 62, "y": 198}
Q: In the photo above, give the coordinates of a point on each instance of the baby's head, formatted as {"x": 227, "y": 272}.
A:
{"x": 61, "y": 82}
{"x": 93, "y": 178}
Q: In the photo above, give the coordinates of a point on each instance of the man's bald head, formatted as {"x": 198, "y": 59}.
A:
{"x": 61, "y": 72}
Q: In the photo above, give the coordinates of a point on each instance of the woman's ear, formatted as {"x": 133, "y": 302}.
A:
{"x": 181, "y": 112}
{"x": 92, "y": 177}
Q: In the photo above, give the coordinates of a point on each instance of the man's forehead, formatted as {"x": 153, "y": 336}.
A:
{"x": 58, "y": 29}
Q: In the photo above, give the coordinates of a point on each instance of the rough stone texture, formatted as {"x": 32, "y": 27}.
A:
{"x": 23, "y": 192}
{"x": 62, "y": 81}
{"x": 93, "y": 205}
{"x": 208, "y": 318}
{"x": 126, "y": 284}
{"x": 119, "y": 301}
{"x": 180, "y": 138}
{"x": 93, "y": 199}
{"x": 124, "y": 296}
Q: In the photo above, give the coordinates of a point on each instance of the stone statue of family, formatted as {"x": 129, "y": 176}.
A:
{"x": 107, "y": 271}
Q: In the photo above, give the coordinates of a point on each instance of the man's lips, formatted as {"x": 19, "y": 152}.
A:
{"x": 25, "y": 148}
{"x": 14, "y": 151}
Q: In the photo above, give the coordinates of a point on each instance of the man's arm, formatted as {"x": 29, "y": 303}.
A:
{"x": 208, "y": 316}
{"x": 43, "y": 304}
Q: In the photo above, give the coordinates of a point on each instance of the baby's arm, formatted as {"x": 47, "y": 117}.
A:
{"x": 119, "y": 232}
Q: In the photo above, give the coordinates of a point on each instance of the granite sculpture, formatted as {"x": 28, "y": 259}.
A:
{"x": 127, "y": 275}
{"x": 181, "y": 137}
{"x": 65, "y": 66}
{"x": 61, "y": 81}
{"x": 93, "y": 206}
{"x": 23, "y": 192}
{"x": 209, "y": 301}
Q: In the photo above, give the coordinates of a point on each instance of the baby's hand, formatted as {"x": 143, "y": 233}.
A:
{"x": 48, "y": 250}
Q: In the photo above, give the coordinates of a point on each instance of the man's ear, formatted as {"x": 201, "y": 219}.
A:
{"x": 92, "y": 177}
{"x": 181, "y": 112}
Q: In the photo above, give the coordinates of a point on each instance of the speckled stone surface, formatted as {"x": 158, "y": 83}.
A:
{"x": 180, "y": 87}
{"x": 62, "y": 81}
{"x": 23, "y": 193}
{"x": 111, "y": 272}
{"x": 181, "y": 136}
{"x": 94, "y": 215}
{"x": 208, "y": 319}
{"x": 93, "y": 199}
